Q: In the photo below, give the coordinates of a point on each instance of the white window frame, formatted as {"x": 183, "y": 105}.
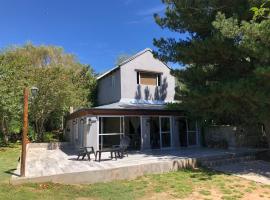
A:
{"x": 100, "y": 132}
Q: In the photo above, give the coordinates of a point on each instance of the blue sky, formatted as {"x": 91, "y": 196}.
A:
{"x": 95, "y": 31}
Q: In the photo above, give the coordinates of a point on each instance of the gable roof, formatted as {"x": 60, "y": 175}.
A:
{"x": 126, "y": 61}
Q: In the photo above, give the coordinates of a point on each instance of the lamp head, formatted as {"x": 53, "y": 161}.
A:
{"x": 34, "y": 91}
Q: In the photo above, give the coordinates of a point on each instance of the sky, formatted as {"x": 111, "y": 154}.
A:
{"x": 95, "y": 31}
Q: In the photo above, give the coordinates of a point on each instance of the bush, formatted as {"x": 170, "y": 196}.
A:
{"x": 49, "y": 137}
{"x": 32, "y": 135}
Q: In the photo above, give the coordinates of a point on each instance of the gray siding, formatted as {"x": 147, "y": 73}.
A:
{"x": 131, "y": 90}
{"x": 107, "y": 93}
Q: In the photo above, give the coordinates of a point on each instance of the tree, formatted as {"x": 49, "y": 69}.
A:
{"x": 209, "y": 58}
{"x": 252, "y": 38}
{"x": 61, "y": 80}
{"x": 226, "y": 58}
{"x": 121, "y": 58}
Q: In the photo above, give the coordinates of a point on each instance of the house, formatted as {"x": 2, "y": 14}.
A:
{"x": 132, "y": 100}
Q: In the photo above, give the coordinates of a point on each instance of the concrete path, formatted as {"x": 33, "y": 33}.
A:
{"x": 257, "y": 170}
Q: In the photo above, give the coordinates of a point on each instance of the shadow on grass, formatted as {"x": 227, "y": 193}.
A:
{"x": 11, "y": 172}
{"x": 204, "y": 174}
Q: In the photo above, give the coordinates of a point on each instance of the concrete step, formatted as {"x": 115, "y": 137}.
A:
{"x": 212, "y": 162}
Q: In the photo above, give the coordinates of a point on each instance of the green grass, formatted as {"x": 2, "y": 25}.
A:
{"x": 8, "y": 161}
{"x": 181, "y": 184}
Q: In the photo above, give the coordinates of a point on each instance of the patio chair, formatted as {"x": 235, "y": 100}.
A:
{"x": 86, "y": 151}
{"x": 122, "y": 148}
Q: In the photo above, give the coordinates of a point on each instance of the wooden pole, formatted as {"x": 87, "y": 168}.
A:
{"x": 25, "y": 130}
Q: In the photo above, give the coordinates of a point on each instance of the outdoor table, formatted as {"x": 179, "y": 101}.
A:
{"x": 114, "y": 153}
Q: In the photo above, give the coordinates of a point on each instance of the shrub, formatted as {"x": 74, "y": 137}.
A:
{"x": 49, "y": 137}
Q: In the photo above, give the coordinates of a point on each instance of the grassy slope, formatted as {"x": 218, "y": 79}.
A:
{"x": 195, "y": 184}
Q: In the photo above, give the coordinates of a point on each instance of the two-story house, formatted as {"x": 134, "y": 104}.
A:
{"x": 132, "y": 100}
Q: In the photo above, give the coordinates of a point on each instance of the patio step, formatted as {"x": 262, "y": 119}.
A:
{"x": 225, "y": 160}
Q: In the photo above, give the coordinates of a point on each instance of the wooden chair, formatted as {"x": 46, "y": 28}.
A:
{"x": 86, "y": 151}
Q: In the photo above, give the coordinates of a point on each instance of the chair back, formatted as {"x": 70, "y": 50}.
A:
{"x": 124, "y": 142}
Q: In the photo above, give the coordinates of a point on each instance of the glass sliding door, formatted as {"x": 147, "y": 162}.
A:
{"x": 132, "y": 129}
{"x": 110, "y": 131}
{"x": 165, "y": 131}
{"x": 154, "y": 132}
{"x": 182, "y": 131}
{"x": 160, "y": 132}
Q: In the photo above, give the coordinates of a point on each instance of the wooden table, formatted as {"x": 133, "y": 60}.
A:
{"x": 114, "y": 153}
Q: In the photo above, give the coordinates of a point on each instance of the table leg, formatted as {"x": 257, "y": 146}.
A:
{"x": 115, "y": 155}
{"x": 99, "y": 156}
{"x": 96, "y": 155}
{"x": 88, "y": 155}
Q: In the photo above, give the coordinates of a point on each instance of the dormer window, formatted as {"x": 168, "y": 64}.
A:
{"x": 148, "y": 78}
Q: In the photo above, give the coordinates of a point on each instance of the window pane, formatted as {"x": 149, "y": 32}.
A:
{"x": 165, "y": 124}
{"x": 107, "y": 141}
{"x": 148, "y": 78}
{"x": 111, "y": 125}
{"x": 191, "y": 125}
{"x": 166, "y": 139}
{"x": 192, "y": 138}
{"x": 133, "y": 131}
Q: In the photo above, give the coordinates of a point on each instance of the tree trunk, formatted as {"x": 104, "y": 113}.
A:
{"x": 39, "y": 125}
{"x": 4, "y": 130}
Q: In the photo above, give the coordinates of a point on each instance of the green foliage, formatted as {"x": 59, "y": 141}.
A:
{"x": 49, "y": 137}
{"x": 261, "y": 12}
{"x": 61, "y": 80}
{"x": 226, "y": 58}
{"x": 32, "y": 135}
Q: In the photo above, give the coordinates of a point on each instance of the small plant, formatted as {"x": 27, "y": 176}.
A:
{"x": 49, "y": 137}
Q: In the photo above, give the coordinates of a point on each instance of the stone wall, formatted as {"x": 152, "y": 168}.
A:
{"x": 235, "y": 136}
{"x": 50, "y": 146}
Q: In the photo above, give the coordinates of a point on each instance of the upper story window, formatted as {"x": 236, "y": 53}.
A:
{"x": 148, "y": 78}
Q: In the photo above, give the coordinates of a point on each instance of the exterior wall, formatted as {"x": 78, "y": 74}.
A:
{"x": 131, "y": 90}
{"x": 89, "y": 133}
{"x": 107, "y": 93}
{"x": 92, "y": 135}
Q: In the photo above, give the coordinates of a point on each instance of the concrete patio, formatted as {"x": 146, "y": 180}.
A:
{"x": 62, "y": 166}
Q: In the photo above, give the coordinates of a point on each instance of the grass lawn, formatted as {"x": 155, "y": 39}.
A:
{"x": 184, "y": 184}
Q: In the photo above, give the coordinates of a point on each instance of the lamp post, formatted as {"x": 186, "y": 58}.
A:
{"x": 34, "y": 91}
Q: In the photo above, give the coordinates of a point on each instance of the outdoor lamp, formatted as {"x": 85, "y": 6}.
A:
{"x": 34, "y": 91}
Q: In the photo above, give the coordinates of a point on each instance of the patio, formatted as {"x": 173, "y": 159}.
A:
{"x": 61, "y": 165}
